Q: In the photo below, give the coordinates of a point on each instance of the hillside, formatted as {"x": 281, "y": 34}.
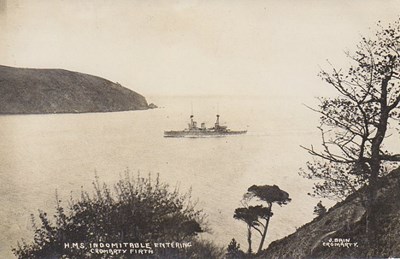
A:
{"x": 36, "y": 91}
{"x": 346, "y": 223}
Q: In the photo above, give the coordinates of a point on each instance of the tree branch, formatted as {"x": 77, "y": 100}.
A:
{"x": 393, "y": 158}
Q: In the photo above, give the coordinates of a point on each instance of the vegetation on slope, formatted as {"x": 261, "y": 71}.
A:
{"x": 37, "y": 91}
{"x": 327, "y": 235}
{"x": 143, "y": 213}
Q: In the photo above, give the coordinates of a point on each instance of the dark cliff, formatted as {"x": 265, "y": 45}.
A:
{"x": 37, "y": 91}
{"x": 341, "y": 232}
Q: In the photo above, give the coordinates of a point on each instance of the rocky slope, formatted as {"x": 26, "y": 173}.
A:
{"x": 35, "y": 91}
{"x": 341, "y": 232}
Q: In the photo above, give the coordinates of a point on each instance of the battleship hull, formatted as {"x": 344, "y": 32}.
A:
{"x": 193, "y": 131}
{"x": 200, "y": 133}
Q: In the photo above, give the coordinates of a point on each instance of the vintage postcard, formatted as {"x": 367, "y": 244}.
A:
{"x": 199, "y": 129}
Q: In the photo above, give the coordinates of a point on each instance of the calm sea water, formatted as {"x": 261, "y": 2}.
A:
{"x": 43, "y": 153}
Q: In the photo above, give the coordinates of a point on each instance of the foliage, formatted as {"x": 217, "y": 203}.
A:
{"x": 356, "y": 123}
{"x": 137, "y": 209}
{"x": 270, "y": 194}
{"x": 233, "y": 250}
{"x": 252, "y": 214}
{"x": 319, "y": 209}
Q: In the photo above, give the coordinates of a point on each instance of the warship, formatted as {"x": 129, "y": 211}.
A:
{"x": 193, "y": 131}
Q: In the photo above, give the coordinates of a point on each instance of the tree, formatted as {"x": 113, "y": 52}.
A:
{"x": 270, "y": 194}
{"x": 233, "y": 250}
{"x": 251, "y": 216}
{"x": 319, "y": 209}
{"x": 356, "y": 123}
{"x": 138, "y": 210}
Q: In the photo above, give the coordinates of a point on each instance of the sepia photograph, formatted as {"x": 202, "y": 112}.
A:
{"x": 193, "y": 129}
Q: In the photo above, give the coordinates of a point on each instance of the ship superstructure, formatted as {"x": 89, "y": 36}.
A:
{"x": 194, "y": 131}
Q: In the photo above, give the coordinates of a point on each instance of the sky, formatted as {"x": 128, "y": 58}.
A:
{"x": 269, "y": 48}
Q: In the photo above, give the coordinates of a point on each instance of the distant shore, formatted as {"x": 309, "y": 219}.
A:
{"x": 58, "y": 91}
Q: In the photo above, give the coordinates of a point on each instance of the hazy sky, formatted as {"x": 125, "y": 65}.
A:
{"x": 190, "y": 47}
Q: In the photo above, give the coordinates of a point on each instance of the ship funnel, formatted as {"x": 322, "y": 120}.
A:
{"x": 217, "y": 122}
